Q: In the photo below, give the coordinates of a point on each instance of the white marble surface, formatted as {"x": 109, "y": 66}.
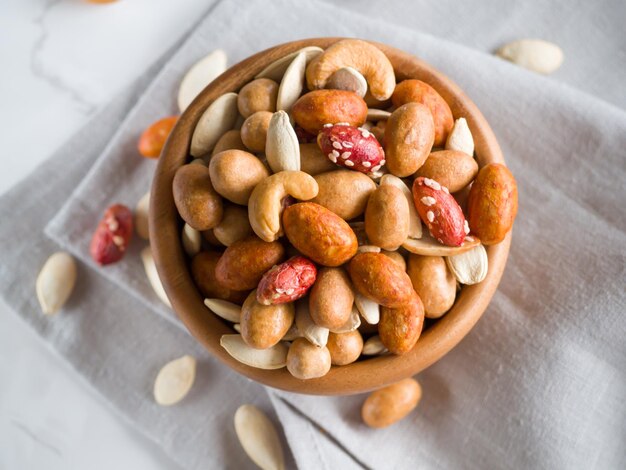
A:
{"x": 61, "y": 60}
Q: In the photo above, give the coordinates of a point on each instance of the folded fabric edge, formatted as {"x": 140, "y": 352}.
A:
{"x": 321, "y": 450}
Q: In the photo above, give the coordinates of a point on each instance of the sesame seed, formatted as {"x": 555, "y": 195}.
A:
{"x": 335, "y": 153}
{"x": 119, "y": 241}
{"x": 332, "y": 158}
{"x": 382, "y": 162}
{"x": 440, "y": 240}
{"x": 349, "y": 163}
{"x": 328, "y": 124}
{"x": 445, "y": 190}
{"x": 428, "y": 201}
{"x": 348, "y": 145}
{"x": 376, "y": 168}
{"x": 337, "y": 145}
{"x": 275, "y": 295}
{"x": 430, "y": 215}
{"x": 466, "y": 227}
{"x": 432, "y": 184}
{"x": 290, "y": 291}
{"x": 469, "y": 239}
{"x": 365, "y": 133}
{"x": 342, "y": 124}
{"x": 113, "y": 224}
{"x": 367, "y": 164}
{"x": 345, "y": 155}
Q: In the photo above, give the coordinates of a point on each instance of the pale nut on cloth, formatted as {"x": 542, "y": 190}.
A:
{"x": 539, "y": 383}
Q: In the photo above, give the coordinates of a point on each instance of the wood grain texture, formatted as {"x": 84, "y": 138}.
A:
{"x": 361, "y": 376}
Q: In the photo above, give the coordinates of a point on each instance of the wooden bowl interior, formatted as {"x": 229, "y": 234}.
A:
{"x": 172, "y": 264}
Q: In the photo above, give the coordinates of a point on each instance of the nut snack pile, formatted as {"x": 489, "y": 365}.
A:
{"x": 329, "y": 209}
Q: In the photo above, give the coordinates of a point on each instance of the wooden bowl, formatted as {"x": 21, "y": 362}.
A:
{"x": 207, "y": 328}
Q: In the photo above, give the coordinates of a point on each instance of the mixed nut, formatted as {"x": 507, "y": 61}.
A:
{"x": 327, "y": 210}
{"x": 337, "y": 208}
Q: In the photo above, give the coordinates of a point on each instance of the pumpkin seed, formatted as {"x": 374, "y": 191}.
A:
{"x": 141, "y": 216}
{"x": 218, "y": 118}
{"x": 192, "y": 240}
{"x": 282, "y": 149}
{"x": 375, "y": 115}
{"x": 277, "y": 69}
{"x": 373, "y": 346}
{"x": 353, "y": 322}
{"x": 534, "y": 54}
{"x": 369, "y": 309}
{"x": 259, "y": 438}
{"x": 428, "y": 246}
{"x": 227, "y": 310}
{"x": 307, "y": 328}
{"x": 153, "y": 275}
{"x": 368, "y": 249}
{"x": 270, "y": 358}
{"x": 199, "y": 76}
{"x": 292, "y": 83}
{"x": 174, "y": 380}
{"x": 55, "y": 282}
{"x": 460, "y": 138}
{"x": 470, "y": 267}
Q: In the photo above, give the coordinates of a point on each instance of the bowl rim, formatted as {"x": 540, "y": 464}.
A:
{"x": 172, "y": 264}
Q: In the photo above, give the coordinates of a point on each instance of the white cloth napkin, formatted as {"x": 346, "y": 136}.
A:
{"x": 539, "y": 382}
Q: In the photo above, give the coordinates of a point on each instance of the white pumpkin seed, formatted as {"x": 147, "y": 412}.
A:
{"x": 270, "y": 358}
{"x": 259, "y": 438}
{"x": 460, "y": 138}
{"x": 153, "y": 275}
{"x": 141, "y": 216}
{"x": 55, "y": 282}
{"x": 368, "y": 125}
{"x": 292, "y": 333}
{"x": 199, "y": 76}
{"x": 237, "y": 327}
{"x": 368, "y": 249}
{"x": 428, "y": 246}
{"x": 192, "y": 240}
{"x": 376, "y": 115}
{"x": 354, "y": 321}
{"x": 218, "y": 118}
{"x": 349, "y": 79}
{"x": 174, "y": 380}
{"x": 470, "y": 267}
{"x": 534, "y": 54}
{"x": 224, "y": 309}
{"x": 369, "y": 309}
{"x": 292, "y": 83}
{"x": 282, "y": 149}
{"x": 415, "y": 223}
{"x": 373, "y": 346}
{"x": 307, "y": 328}
{"x": 276, "y": 70}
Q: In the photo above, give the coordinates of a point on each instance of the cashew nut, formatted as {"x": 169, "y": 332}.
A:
{"x": 266, "y": 202}
{"x": 370, "y": 61}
